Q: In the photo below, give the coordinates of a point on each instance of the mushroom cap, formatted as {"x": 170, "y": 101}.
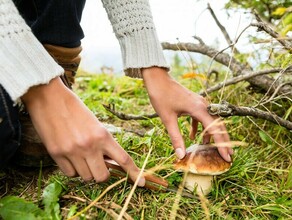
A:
{"x": 203, "y": 160}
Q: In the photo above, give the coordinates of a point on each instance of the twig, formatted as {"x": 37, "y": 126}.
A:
{"x": 240, "y": 78}
{"x": 279, "y": 85}
{"x": 232, "y": 45}
{"x": 262, "y": 26}
{"x": 262, "y": 41}
{"x": 124, "y": 116}
{"x": 215, "y": 72}
{"x": 225, "y": 109}
{"x": 222, "y": 28}
{"x": 273, "y": 96}
{"x": 27, "y": 187}
{"x": 199, "y": 39}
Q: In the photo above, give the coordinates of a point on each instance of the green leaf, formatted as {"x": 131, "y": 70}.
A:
{"x": 50, "y": 200}
{"x": 72, "y": 211}
{"x": 265, "y": 138}
{"x": 288, "y": 19}
{"x": 286, "y": 29}
{"x": 279, "y": 11}
{"x": 12, "y": 207}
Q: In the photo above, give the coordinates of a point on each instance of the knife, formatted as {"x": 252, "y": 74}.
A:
{"x": 152, "y": 182}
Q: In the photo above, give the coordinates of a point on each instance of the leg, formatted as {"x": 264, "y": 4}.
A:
{"x": 9, "y": 128}
{"x": 56, "y": 24}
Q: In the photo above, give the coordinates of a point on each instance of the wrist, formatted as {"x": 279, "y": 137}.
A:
{"x": 155, "y": 78}
{"x": 154, "y": 72}
{"x": 40, "y": 93}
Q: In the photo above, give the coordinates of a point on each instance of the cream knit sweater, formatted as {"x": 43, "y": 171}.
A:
{"x": 25, "y": 63}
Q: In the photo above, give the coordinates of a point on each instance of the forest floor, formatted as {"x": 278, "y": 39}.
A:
{"x": 258, "y": 185}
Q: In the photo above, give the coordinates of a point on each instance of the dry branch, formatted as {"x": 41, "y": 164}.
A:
{"x": 225, "y": 109}
{"x": 240, "y": 78}
{"x": 204, "y": 49}
{"x": 213, "y": 72}
{"x": 262, "y": 26}
{"x": 222, "y": 28}
{"x": 264, "y": 82}
{"x": 127, "y": 117}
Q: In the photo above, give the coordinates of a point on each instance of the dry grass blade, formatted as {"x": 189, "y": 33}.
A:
{"x": 178, "y": 195}
{"x": 204, "y": 204}
{"x": 134, "y": 186}
{"x": 230, "y": 144}
{"x": 102, "y": 206}
{"x": 112, "y": 213}
{"x": 98, "y": 198}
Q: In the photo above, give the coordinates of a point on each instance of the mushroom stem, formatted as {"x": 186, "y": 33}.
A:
{"x": 202, "y": 183}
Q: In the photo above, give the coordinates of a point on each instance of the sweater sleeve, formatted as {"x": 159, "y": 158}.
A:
{"x": 133, "y": 25}
{"x": 24, "y": 62}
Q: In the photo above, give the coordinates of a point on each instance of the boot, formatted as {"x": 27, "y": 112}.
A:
{"x": 68, "y": 58}
{"x": 32, "y": 152}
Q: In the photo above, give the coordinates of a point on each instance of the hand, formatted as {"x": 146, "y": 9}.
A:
{"x": 73, "y": 136}
{"x": 171, "y": 100}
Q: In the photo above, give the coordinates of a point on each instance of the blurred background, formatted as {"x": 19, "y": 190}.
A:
{"x": 175, "y": 21}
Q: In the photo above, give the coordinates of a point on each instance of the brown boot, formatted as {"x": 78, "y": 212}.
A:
{"x": 32, "y": 152}
{"x": 68, "y": 58}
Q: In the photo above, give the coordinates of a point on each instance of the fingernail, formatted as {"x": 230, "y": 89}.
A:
{"x": 229, "y": 158}
{"x": 231, "y": 152}
{"x": 141, "y": 182}
{"x": 180, "y": 153}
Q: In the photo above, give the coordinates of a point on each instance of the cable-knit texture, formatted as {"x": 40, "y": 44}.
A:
{"x": 133, "y": 25}
{"x": 24, "y": 61}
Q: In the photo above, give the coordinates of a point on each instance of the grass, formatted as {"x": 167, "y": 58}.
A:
{"x": 258, "y": 186}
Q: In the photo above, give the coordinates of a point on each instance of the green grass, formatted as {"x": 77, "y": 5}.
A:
{"x": 258, "y": 186}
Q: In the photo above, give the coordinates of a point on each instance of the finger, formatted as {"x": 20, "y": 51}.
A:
{"x": 224, "y": 152}
{"x": 117, "y": 153}
{"x": 82, "y": 168}
{"x": 226, "y": 138}
{"x": 219, "y": 135}
{"x": 194, "y": 129}
{"x": 206, "y": 138}
{"x": 175, "y": 136}
{"x": 65, "y": 166}
{"x": 98, "y": 168}
{"x": 230, "y": 151}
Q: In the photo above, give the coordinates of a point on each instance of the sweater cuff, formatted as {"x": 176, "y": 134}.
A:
{"x": 27, "y": 64}
{"x": 141, "y": 50}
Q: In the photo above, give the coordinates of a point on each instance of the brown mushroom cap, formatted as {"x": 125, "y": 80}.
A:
{"x": 203, "y": 160}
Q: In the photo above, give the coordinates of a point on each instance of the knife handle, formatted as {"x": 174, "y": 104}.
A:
{"x": 151, "y": 179}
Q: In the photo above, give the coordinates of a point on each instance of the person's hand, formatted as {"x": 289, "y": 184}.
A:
{"x": 171, "y": 100}
{"x": 73, "y": 136}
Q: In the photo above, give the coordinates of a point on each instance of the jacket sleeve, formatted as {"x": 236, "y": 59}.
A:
{"x": 23, "y": 60}
{"x": 133, "y": 25}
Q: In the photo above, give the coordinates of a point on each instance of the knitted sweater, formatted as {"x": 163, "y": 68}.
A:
{"x": 25, "y": 63}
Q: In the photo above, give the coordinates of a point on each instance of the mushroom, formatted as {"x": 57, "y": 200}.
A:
{"x": 201, "y": 163}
